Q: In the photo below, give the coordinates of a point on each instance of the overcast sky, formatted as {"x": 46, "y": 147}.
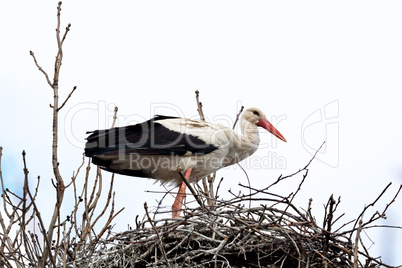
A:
{"x": 321, "y": 71}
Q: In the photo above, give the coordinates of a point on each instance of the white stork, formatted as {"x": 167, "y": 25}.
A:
{"x": 161, "y": 146}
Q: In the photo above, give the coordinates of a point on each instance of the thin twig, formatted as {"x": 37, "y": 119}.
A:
{"x": 41, "y": 69}
{"x": 157, "y": 233}
{"x": 114, "y": 116}
{"x": 68, "y": 97}
{"x": 193, "y": 192}
{"x": 237, "y": 117}
{"x": 38, "y": 214}
{"x": 199, "y": 105}
{"x": 281, "y": 178}
{"x": 355, "y": 256}
{"x": 370, "y": 205}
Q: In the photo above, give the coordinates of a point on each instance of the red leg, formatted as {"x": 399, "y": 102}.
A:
{"x": 181, "y": 194}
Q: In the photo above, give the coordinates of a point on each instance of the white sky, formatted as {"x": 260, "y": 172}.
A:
{"x": 320, "y": 71}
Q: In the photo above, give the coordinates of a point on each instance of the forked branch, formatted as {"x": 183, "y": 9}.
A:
{"x": 55, "y": 162}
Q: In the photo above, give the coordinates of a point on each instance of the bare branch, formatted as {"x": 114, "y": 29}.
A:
{"x": 109, "y": 197}
{"x": 193, "y": 192}
{"x": 68, "y": 97}
{"x": 114, "y": 116}
{"x": 157, "y": 233}
{"x": 74, "y": 177}
{"x": 370, "y": 205}
{"x": 65, "y": 33}
{"x": 199, "y": 105}
{"x": 297, "y": 172}
{"x": 41, "y": 69}
{"x": 355, "y": 255}
{"x": 55, "y": 163}
{"x": 238, "y": 116}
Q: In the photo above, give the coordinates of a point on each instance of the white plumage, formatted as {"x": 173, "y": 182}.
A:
{"x": 158, "y": 147}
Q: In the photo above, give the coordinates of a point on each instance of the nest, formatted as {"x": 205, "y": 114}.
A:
{"x": 234, "y": 233}
{"x": 257, "y": 229}
{"x": 228, "y": 238}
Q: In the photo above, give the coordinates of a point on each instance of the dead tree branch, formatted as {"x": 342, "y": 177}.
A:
{"x": 199, "y": 105}
{"x": 55, "y": 162}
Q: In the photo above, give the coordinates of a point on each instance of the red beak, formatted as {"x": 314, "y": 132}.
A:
{"x": 268, "y": 126}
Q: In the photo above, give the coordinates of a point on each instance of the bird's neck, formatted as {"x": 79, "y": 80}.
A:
{"x": 250, "y": 139}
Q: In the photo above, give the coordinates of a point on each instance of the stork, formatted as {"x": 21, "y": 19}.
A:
{"x": 157, "y": 148}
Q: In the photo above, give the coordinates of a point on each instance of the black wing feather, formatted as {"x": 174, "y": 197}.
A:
{"x": 147, "y": 138}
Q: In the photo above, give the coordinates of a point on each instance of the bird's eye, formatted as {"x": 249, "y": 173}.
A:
{"x": 256, "y": 113}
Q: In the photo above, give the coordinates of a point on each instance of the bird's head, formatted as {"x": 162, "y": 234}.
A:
{"x": 256, "y": 117}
